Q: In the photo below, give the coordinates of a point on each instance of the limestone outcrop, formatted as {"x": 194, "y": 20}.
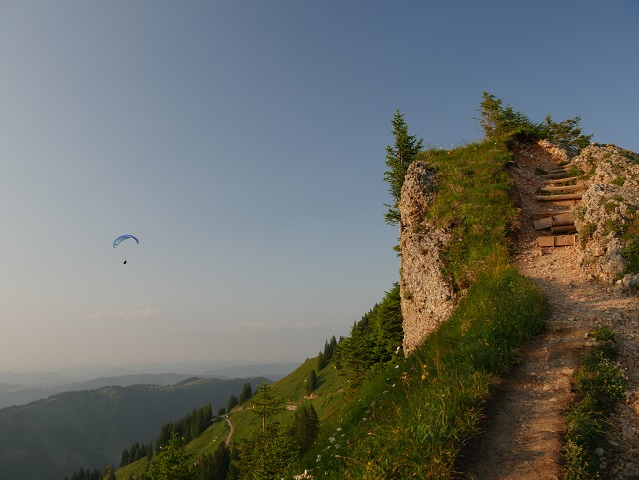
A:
{"x": 607, "y": 219}
{"x": 427, "y": 297}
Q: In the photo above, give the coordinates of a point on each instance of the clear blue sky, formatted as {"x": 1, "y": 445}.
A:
{"x": 243, "y": 143}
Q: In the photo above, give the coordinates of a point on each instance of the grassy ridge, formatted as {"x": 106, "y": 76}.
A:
{"x": 411, "y": 417}
{"x": 411, "y": 420}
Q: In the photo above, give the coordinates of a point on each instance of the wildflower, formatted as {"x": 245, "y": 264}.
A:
{"x": 331, "y": 439}
{"x": 337, "y": 445}
{"x": 339, "y": 429}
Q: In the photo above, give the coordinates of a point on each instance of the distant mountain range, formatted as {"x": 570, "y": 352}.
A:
{"x": 50, "y": 438}
{"x": 23, "y": 388}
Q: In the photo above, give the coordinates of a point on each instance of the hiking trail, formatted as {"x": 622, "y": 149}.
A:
{"x": 522, "y": 432}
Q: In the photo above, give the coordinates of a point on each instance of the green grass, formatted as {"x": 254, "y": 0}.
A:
{"x": 476, "y": 209}
{"x": 410, "y": 418}
{"x": 599, "y": 385}
{"x": 327, "y": 400}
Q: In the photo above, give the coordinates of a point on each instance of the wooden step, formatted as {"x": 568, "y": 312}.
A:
{"x": 560, "y": 214}
{"x": 552, "y": 198}
{"x": 561, "y": 219}
{"x": 564, "y": 188}
{"x": 563, "y": 229}
{"x": 562, "y": 223}
{"x": 550, "y": 176}
{"x": 557, "y": 241}
{"x": 567, "y": 179}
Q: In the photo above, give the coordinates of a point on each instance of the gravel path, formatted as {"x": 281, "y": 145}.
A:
{"x": 522, "y": 436}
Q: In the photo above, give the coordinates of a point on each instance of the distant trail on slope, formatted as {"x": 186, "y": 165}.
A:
{"x": 231, "y": 430}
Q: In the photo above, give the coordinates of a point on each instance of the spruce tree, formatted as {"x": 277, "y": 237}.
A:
{"x": 398, "y": 158}
{"x": 246, "y": 393}
{"x": 233, "y": 401}
{"x": 305, "y": 427}
{"x": 171, "y": 462}
{"x": 266, "y": 402}
{"x": 311, "y": 382}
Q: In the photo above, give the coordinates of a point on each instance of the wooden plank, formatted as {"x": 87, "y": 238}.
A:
{"x": 552, "y": 198}
{"x": 561, "y": 223}
{"x": 554, "y": 175}
{"x": 552, "y": 222}
{"x": 567, "y": 179}
{"x": 557, "y": 241}
{"x": 563, "y": 229}
{"x": 564, "y": 188}
{"x": 561, "y": 203}
{"x": 563, "y": 217}
{"x": 542, "y": 223}
{"x": 560, "y": 214}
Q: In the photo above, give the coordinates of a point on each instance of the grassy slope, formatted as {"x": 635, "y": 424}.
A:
{"x": 328, "y": 399}
{"x": 411, "y": 417}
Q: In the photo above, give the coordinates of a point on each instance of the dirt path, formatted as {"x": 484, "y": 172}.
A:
{"x": 523, "y": 429}
{"x": 231, "y": 430}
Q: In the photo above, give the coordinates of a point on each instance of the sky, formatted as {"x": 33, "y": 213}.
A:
{"x": 243, "y": 143}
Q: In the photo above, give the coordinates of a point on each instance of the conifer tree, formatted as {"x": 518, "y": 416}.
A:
{"x": 321, "y": 361}
{"x": 233, "y": 401}
{"x": 124, "y": 458}
{"x": 398, "y": 158}
{"x": 246, "y": 393}
{"x": 305, "y": 427}
{"x": 311, "y": 382}
{"x": 265, "y": 456}
{"x": 266, "y": 402}
{"x": 171, "y": 462}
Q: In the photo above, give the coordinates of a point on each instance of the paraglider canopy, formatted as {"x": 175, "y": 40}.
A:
{"x": 122, "y": 238}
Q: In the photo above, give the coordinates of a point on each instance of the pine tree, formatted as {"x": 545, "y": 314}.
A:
{"x": 265, "y": 456}
{"x": 108, "y": 473}
{"x": 266, "y": 402}
{"x": 321, "y": 361}
{"x": 233, "y": 401}
{"x": 171, "y": 462}
{"x": 311, "y": 382}
{"x": 124, "y": 458}
{"x": 246, "y": 393}
{"x": 305, "y": 427}
{"x": 221, "y": 462}
{"x": 398, "y": 158}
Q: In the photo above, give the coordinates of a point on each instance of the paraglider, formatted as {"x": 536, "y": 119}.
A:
{"x": 121, "y": 239}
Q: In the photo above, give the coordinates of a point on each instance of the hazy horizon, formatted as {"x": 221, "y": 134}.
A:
{"x": 243, "y": 143}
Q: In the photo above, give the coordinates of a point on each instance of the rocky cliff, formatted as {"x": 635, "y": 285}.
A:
{"x": 427, "y": 298}
{"x": 607, "y": 222}
{"x": 607, "y": 219}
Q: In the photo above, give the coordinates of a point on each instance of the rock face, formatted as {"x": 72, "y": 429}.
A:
{"x": 608, "y": 213}
{"x": 427, "y": 298}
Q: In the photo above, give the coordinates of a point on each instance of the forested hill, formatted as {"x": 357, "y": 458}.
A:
{"x": 47, "y": 439}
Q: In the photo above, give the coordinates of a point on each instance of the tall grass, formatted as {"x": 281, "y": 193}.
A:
{"x": 599, "y": 384}
{"x": 411, "y": 421}
{"x": 473, "y": 203}
{"x": 411, "y": 418}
